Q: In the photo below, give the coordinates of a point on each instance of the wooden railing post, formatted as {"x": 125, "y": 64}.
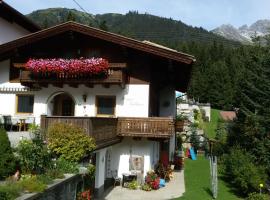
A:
{"x": 43, "y": 122}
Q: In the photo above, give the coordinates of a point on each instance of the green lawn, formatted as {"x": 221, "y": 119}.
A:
{"x": 210, "y": 127}
{"x": 197, "y": 182}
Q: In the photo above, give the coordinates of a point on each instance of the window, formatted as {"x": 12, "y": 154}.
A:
{"x": 105, "y": 105}
{"x": 25, "y": 103}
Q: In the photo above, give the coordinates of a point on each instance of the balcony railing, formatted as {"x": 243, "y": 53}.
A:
{"x": 156, "y": 127}
{"x": 104, "y": 130}
{"x": 115, "y": 76}
{"x": 107, "y": 131}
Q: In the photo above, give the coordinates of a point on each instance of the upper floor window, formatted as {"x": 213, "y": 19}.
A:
{"x": 25, "y": 103}
{"x": 105, "y": 105}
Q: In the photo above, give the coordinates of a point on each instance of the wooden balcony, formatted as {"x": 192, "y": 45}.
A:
{"x": 108, "y": 131}
{"x": 115, "y": 75}
{"x": 104, "y": 130}
{"x": 155, "y": 127}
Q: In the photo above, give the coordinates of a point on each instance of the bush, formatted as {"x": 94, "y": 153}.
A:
{"x": 91, "y": 171}
{"x": 66, "y": 166}
{"x": 146, "y": 187}
{"x": 243, "y": 172}
{"x": 133, "y": 185}
{"x": 32, "y": 184}
{"x": 257, "y": 196}
{"x": 45, "y": 178}
{"x": 34, "y": 157}
{"x": 7, "y": 159}
{"x": 55, "y": 173}
{"x": 9, "y": 191}
{"x": 69, "y": 142}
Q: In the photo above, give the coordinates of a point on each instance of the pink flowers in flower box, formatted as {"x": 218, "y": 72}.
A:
{"x": 92, "y": 66}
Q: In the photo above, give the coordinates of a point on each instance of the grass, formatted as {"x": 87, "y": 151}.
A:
{"x": 210, "y": 127}
{"x": 197, "y": 182}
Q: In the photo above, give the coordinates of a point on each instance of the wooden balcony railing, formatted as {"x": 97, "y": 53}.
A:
{"x": 104, "y": 130}
{"x": 156, "y": 127}
{"x": 115, "y": 75}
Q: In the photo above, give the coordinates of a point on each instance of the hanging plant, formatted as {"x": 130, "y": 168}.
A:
{"x": 92, "y": 66}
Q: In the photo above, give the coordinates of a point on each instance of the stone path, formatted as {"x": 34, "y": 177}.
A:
{"x": 175, "y": 188}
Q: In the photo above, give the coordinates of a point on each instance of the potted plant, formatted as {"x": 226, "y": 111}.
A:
{"x": 180, "y": 121}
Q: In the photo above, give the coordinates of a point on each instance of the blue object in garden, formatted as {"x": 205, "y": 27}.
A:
{"x": 192, "y": 153}
{"x": 161, "y": 183}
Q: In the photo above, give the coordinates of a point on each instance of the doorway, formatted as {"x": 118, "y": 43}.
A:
{"x": 63, "y": 105}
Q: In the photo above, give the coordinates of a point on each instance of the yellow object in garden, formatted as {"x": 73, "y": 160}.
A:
{"x": 261, "y": 185}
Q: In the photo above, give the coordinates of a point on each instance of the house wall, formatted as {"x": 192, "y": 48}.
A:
{"x": 100, "y": 171}
{"x": 7, "y": 99}
{"x": 167, "y": 107}
{"x": 132, "y": 101}
{"x": 167, "y": 104}
{"x": 10, "y": 31}
{"x": 122, "y": 151}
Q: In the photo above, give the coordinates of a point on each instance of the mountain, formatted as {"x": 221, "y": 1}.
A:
{"x": 245, "y": 33}
{"x": 161, "y": 30}
{"x": 230, "y": 32}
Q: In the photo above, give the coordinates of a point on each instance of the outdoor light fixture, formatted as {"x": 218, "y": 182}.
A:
{"x": 84, "y": 96}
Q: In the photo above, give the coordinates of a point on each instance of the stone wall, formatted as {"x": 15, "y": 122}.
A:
{"x": 61, "y": 189}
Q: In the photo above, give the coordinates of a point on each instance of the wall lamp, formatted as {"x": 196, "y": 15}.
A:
{"x": 84, "y": 96}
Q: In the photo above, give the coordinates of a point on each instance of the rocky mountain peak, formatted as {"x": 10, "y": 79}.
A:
{"x": 244, "y": 33}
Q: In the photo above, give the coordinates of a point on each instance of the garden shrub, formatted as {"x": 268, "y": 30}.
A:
{"x": 32, "y": 184}
{"x": 45, "y": 178}
{"x": 55, "y": 173}
{"x": 91, "y": 171}
{"x": 243, "y": 172}
{"x": 146, "y": 187}
{"x": 69, "y": 142}
{"x": 7, "y": 159}
{"x": 34, "y": 156}
{"x": 66, "y": 166}
{"x": 257, "y": 196}
{"x": 9, "y": 191}
{"x": 133, "y": 185}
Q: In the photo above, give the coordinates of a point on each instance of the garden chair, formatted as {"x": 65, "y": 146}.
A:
{"x": 8, "y": 123}
{"x": 117, "y": 180}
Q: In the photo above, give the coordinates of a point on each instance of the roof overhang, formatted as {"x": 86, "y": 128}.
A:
{"x": 12, "y": 15}
{"x": 97, "y": 33}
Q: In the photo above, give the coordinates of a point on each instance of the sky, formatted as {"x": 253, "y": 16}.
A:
{"x": 208, "y": 14}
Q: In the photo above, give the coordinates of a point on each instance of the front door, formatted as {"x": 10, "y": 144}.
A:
{"x": 63, "y": 105}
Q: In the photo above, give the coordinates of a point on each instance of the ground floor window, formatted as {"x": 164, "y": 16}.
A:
{"x": 25, "y": 103}
{"x": 105, "y": 105}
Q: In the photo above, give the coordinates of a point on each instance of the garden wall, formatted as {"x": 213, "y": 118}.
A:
{"x": 61, "y": 189}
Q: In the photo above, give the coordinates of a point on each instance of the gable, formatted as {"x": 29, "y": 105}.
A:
{"x": 13, "y": 16}
{"x": 73, "y": 27}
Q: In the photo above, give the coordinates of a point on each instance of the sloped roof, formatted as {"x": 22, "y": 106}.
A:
{"x": 97, "y": 33}
{"x": 228, "y": 115}
{"x": 12, "y": 15}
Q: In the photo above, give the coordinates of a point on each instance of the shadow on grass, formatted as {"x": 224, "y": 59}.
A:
{"x": 227, "y": 181}
{"x": 208, "y": 190}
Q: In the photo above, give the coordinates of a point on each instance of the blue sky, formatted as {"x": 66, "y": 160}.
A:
{"x": 205, "y": 13}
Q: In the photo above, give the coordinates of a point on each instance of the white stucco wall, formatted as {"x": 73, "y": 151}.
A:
{"x": 100, "y": 168}
{"x": 7, "y": 99}
{"x": 167, "y": 103}
{"x": 10, "y": 31}
{"x": 122, "y": 152}
{"x": 131, "y": 101}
